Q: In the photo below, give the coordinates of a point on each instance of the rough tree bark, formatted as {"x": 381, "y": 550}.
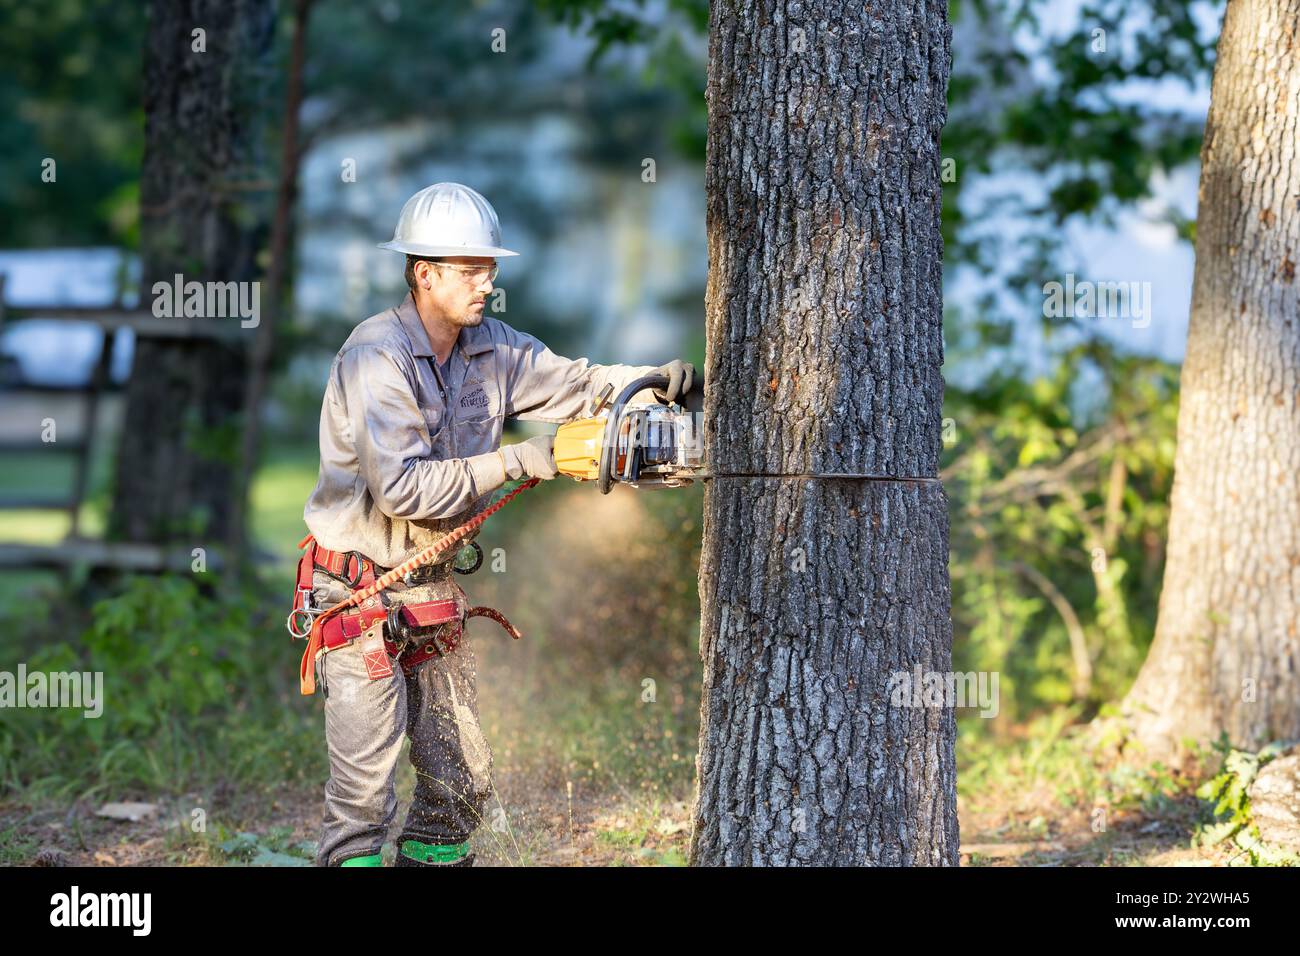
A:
{"x": 204, "y": 215}
{"x": 824, "y": 323}
{"x": 1226, "y": 654}
{"x": 277, "y": 282}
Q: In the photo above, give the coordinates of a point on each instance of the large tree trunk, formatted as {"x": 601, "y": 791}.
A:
{"x": 200, "y": 218}
{"x": 1226, "y": 655}
{"x": 824, "y": 320}
{"x": 277, "y": 281}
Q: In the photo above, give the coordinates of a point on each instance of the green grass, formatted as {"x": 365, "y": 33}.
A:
{"x": 279, "y": 492}
{"x": 16, "y": 847}
{"x": 254, "y": 728}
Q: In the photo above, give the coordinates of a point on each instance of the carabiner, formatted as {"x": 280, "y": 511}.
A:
{"x": 353, "y": 582}
{"x": 301, "y": 619}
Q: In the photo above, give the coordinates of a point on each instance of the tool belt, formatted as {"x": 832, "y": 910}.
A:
{"x": 412, "y": 632}
{"x": 310, "y": 622}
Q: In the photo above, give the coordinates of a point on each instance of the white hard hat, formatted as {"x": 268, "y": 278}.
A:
{"x": 448, "y": 219}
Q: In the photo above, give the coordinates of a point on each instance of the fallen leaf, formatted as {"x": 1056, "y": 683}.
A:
{"x": 132, "y": 812}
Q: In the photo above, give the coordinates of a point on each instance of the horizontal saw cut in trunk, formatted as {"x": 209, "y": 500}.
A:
{"x": 824, "y": 570}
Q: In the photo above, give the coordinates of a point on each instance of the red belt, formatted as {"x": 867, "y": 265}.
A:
{"x": 349, "y": 567}
{"x": 344, "y": 628}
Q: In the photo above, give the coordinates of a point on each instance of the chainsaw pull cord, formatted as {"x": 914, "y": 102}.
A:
{"x": 306, "y": 670}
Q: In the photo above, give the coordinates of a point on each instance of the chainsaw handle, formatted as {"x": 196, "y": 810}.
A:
{"x": 605, "y": 479}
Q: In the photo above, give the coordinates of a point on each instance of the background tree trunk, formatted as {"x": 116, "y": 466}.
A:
{"x": 203, "y": 213}
{"x": 824, "y": 323}
{"x": 277, "y": 285}
{"x": 1226, "y": 654}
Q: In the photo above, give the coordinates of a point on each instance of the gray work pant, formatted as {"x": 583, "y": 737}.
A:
{"x": 436, "y": 706}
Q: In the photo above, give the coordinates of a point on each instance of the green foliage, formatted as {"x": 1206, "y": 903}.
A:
{"x": 673, "y": 60}
{"x": 197, "y": 689}
{"x": 273, "y": 848}
{"x": 1032, "y": 96}
{"x": 216, "y": 442}
{"x": 70, "y": 90}
{"x": 1228, "y": 793}
{"x": 1058, "y": 488}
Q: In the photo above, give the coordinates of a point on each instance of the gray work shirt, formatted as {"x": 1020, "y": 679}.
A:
{"x": 406, "y": 453}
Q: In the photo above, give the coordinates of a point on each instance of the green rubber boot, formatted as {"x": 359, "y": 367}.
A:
{"x": 374, "y": 859}
{"x": 415, "y": 853}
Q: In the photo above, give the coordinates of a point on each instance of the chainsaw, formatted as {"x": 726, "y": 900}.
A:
{"x": 651, "y": 445}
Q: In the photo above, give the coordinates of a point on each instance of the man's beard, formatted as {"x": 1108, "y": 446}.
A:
{"x": 473, "y": 316}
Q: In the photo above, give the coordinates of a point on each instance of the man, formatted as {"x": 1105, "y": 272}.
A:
{"x": 410, "y": 448}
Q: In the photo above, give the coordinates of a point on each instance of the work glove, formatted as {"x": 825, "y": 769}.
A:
{"x": 681, "y": 375}
{"x": 534, "y": 458}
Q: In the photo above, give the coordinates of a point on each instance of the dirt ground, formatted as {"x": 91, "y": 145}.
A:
{"x": 1018, "y": 834}
{"x": 542, "y": 825}
{"x": 545, "y": 829}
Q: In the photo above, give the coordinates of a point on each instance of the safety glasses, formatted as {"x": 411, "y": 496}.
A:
{"x": 472, "y": 273}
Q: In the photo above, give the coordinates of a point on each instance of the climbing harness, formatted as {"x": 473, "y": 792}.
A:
{"x": 326, "y": 629}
